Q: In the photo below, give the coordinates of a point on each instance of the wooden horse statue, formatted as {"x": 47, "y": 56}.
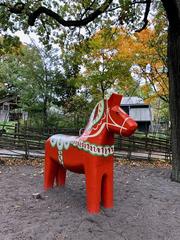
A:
{"x": 91, "y": 153}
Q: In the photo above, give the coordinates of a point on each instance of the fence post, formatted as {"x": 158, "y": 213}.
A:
{"x": 168, "y": 150}
{"x": 26, "y": 150}
{"x": 146, "y": 142}
{"x": 149, "y": 149}
{"x": 149, "y": 155}
{"x": 26, "y": 145}
{"x": 129, "y": 150}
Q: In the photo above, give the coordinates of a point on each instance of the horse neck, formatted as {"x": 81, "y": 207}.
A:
{"x": 99, "y": 133}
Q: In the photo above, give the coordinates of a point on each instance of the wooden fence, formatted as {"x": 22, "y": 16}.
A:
{"x": 29, "y": 143}
{"x": 140, "y": 146}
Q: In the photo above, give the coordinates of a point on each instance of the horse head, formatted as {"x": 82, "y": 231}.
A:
{"x": 118, "y": 121}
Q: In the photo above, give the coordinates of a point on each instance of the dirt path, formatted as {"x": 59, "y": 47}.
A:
{"x": 147, "y": 206}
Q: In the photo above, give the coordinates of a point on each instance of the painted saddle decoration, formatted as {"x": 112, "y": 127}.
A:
{"x": 91, "y": 153}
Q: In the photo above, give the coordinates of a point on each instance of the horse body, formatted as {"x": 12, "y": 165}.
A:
{"x": 91, "y": 153}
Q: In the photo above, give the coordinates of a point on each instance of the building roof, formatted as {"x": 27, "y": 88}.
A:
{"x": 129, "y": 101}
{"x": 11, "y": 99}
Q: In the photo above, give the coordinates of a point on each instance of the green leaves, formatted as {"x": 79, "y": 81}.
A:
{"x": 48, "y": 16}
{"x": 104, "y": 66}
{"x": 9, "y": 45}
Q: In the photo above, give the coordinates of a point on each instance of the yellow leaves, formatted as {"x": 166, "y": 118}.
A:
{"x": 145, "y": 35}
{"x": 145, "y": 88}
{"x": 103, "y": 39}
{"x": 10, "y": 45}
{"x": 125, "y": 50}
{"x": 134, "y": 47}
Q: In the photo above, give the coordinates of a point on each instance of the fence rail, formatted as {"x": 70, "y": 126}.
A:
{"x": 29, "y": 143}
{"x": 141, "y": 146}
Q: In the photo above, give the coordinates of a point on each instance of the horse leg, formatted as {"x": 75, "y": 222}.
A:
{"x": 50, "y": 171}
{"x": 107, "y": 190}
{"x": 61, "y": 175}
{"x": 93, "y": 190}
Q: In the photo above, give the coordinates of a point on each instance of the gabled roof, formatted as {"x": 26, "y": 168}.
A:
{"x": 130, "y": 101}
{"x": 9, "y": 99}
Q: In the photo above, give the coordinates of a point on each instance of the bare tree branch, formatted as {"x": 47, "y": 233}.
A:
{"x": 152, "y": 80}
{"x": 88, "y": 8}
{"x": 137, "y": 2}
{"x": 145, "y": 20}
{"x": 67, "y": 23}
{"x": 18, "y": 8}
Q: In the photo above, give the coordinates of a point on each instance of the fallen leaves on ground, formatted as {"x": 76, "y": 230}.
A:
{"x": 39, "y": 162}
{"x": 36, "y": 162}
{"x": 144, "y": 163}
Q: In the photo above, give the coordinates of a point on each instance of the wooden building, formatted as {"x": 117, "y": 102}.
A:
{"x": 9, "y": 110}
{"x": 139, "y": 111}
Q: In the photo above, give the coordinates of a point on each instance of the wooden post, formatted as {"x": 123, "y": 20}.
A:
{"x": 129, "y": 150}
{"x": 26, "y": 150}
{"x": 26, "y": 145}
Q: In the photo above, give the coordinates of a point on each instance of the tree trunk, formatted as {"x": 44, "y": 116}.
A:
{"x": 172, "y": 9}
{"x": 174, "y": 96}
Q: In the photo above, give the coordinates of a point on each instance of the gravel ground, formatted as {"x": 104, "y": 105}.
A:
{"x": 146, "y": 206}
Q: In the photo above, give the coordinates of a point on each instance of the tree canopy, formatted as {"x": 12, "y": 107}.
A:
{"x": 107, "y": 56}
{"x": 55, "y": 20}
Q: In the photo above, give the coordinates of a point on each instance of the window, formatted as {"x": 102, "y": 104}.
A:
{"x": 6, "y": 107}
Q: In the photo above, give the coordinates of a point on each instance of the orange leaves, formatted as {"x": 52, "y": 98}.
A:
{"x": 115, "y": 51}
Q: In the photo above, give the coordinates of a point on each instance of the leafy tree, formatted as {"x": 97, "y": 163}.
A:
{"x": 77, "y": 111}
{"x": 151, "y": 57}
{"x": 152, "y": 62}
{"x": 111, "y": 55}
{"x": 10, "y": 47}
{"x": 103, "y": 67}
{"x": 35, "y": 76}
{"x": 47, "y": 15}
{"x": 148, "y": 53}
{"x": 66, "y": 86}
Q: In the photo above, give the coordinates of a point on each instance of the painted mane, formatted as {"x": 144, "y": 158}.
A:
{"x": 96, "y": 119}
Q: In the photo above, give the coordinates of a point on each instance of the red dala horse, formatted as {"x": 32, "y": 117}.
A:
{"x": 91, "y": 153}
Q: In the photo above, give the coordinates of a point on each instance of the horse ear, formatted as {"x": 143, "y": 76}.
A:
{"x": 115, "y": 99}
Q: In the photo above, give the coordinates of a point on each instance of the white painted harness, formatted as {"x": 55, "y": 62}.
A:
{"x": 114, "y": 124}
